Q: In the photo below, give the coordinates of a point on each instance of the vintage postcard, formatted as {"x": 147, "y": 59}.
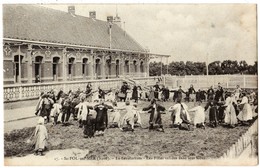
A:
{"x": 130, "y": 84}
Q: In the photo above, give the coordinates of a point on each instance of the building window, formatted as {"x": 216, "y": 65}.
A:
{"x": 98, "y": 69}
{"x": 37, "y": 68}
{"x": 135, "y": 66}
{"x": 71, "y": 67}
{"x": 127, "y": 66}
{"x": 117, "y": 68}
{"x": 84, "y": 67}
{"x": 17, "y": 68}
{"x": 142, "y": 67}
{"x": 108, "y": 68}
{"x": 55, "y": 68}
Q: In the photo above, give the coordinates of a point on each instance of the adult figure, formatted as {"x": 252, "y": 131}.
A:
{"x": 210, "y": 93}
{"x": 123, "y": 90}
{"x": 155, "y": 115}
{"x": 135, "y": 93}
{"x": 192, "y": 93}
{"x": 156, "y": 90}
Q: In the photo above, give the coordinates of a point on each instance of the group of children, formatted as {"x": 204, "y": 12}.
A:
{"x": 94, "y": 115}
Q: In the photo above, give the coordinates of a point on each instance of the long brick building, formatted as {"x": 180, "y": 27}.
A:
{"x": 50, "y": 45}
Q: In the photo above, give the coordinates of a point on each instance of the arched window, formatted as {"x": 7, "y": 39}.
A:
{"x": 98, "y": 69}
{"x": 117, "y": 68}
{"x": 127, "y": 66}
{"x": 71, "y": 67}
{"x": 108, "y": 68}
{"x": 37, "y": 68}
{"x": 142, "y": 67}
{"x": 55, "y": 68}
{"x": 135, "y": 66}
{"x": 17, "y": 68}
{"x": 84, "y": 67}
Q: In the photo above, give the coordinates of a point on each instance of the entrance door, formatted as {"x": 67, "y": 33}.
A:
{"x": 17, "y": 68}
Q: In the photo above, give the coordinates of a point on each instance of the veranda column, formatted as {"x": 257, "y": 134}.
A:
{"x": 64, "y": 64}
{"x": 29, "y": 63}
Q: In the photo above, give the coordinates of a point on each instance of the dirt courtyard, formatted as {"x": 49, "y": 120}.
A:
{"x": 142, "y": 144}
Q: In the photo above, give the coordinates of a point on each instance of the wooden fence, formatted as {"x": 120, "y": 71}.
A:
{"x": 243, "y": 142}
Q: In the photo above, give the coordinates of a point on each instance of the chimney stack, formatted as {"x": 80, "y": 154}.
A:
{"x": 92, "y": 14}
{"x": 110, "y": 19}
{"x": 71, "y": 10}
{"x": 117, "y": 20}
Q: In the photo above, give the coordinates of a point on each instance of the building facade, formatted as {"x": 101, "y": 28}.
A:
{"x": 46, "y": 45}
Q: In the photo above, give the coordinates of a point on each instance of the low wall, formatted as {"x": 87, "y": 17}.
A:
{"x": 31, "y": 91}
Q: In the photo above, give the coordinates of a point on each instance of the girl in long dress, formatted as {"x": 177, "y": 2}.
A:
{"x": 179, "y": 113}
{"x": 114, "y": 116}
{"x": 199, "y": 117}
{"x": 41, "y": 137}
{"x": 213, "y": 113}
{"x": 230, "y": 113}
{"x": 246, "y": 113}
{"x": 128, "y": 119}
{"x": 151, "y": 94}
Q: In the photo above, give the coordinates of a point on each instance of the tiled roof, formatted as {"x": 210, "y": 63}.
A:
{"x": 36, "y": 23}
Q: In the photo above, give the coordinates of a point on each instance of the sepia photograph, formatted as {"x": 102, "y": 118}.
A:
{"x": 139, "y": 84}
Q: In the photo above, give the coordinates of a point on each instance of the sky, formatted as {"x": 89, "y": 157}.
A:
{"x": 186, "y": 32}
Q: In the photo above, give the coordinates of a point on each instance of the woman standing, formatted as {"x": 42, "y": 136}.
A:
{"x": 230, "y": 113}
{"x": 41, "y": 137}
{"x": 135, "y": 94}
{"x": 246, "y": 113}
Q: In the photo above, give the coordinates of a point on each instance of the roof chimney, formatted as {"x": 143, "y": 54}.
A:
{"x": 92, "y": 14}
{"x": 110, "y": 19}
{"x": 117, "y": 20}
{"x": 71, "y": 10}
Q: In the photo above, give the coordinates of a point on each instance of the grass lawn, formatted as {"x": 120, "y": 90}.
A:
{"x": 173, "y": 143}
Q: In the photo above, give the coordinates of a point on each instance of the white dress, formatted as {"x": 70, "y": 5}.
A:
{"x": 114, "y": 116}
{"x": 176, "y": 111}
{"x": 246, "y": 113}
{"x": 199, "y": 116}
{"x": 230, "y": 113}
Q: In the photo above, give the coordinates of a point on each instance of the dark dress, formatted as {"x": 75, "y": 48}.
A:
{"x": 219, "y": 95}
{"x": 101, "y": 94}
{"x": 124, "y": 89}
{"x": 102, "y": 116}
{"x": 156, "y": 93}
{"x": 155, "y": 116}
{"x": 135, "y": 94}
{"x": 213, "y": 114}
{"x": 179, "y": 94}
{"x": 210, "y": 94}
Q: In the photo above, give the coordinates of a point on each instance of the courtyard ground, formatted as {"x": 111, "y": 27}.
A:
{"x": 173, "y": 144}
